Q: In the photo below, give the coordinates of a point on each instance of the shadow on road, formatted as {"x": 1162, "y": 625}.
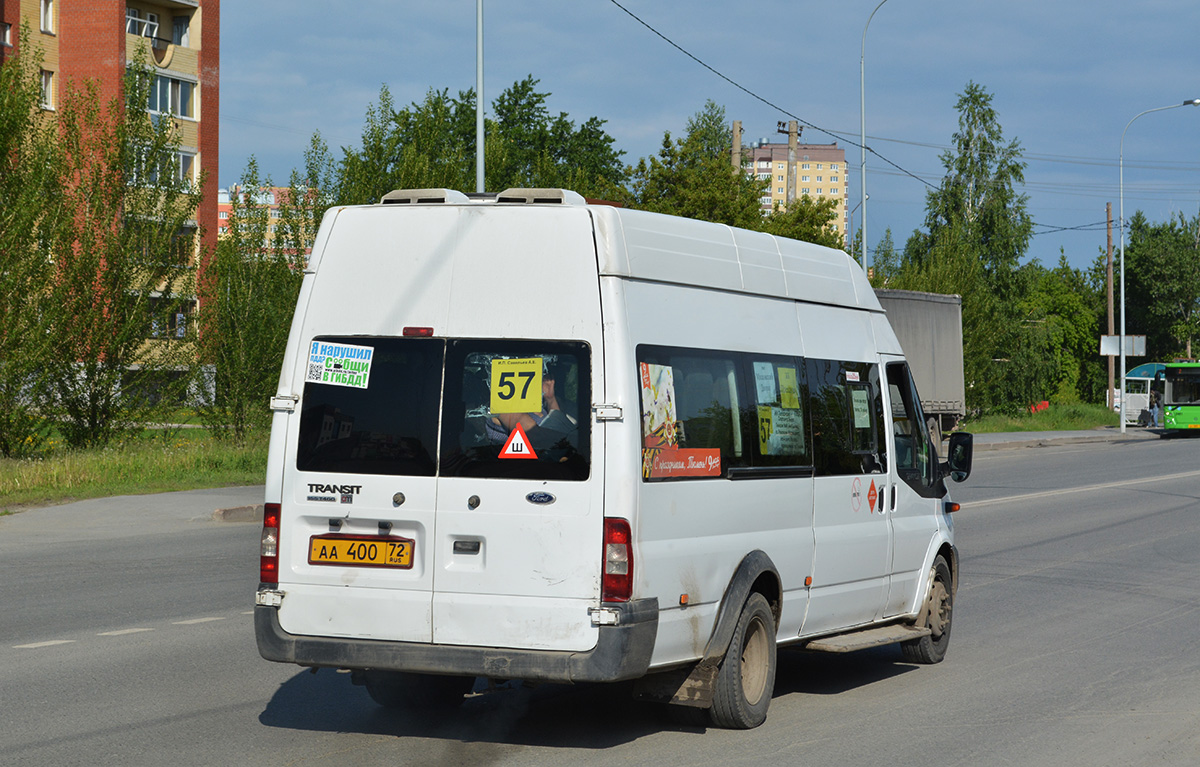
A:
{"x": 594, "y": 716}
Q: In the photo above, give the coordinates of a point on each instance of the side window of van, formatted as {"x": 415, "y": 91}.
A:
{"x": 916, "y": 460}
{"x": 371, "y": 405}
{"x": 691, "y": 413}
{"x": 722, "y": 414}
{"x": 779, "y": 398}
{"x": 847, "y": 409}
{"x": 517, "y": 409}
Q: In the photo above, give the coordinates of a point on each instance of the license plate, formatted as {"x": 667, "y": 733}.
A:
{"x": 360, "y": 551}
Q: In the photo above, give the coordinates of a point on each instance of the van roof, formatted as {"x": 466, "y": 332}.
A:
{"x": 671, "y": 249}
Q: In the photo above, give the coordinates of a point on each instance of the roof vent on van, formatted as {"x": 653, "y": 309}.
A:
{"x": 553, "y": 196}
{"x": 415, "y": 196}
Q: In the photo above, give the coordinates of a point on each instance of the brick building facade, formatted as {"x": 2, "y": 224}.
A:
{"x": 97, "y": 39}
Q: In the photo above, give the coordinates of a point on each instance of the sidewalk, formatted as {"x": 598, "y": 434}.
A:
{"x": 1015, "y": 439}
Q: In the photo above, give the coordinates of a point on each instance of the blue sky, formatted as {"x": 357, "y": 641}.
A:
{"x": 1066, "y": 77}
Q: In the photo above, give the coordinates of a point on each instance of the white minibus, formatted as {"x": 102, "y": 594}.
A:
{"x": 528, "y": 437}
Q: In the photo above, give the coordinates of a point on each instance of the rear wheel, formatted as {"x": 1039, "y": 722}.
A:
{"x": 746, "y": 679}
{"x": 396, "y": 689}
{"x": 937, "y": 615}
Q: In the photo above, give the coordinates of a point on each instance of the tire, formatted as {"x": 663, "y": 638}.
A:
{"x": 395, "y": 689}
{"x": 938, "y": 615}
{"x": 746, "y": 678}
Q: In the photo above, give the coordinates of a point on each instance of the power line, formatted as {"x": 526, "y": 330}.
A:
{"x": 1049, "y": 229}
{"x": 757, "y": 97}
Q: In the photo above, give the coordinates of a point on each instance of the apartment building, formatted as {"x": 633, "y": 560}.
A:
{"x": 820, "y": 172}
{"x": 97, "y": 39}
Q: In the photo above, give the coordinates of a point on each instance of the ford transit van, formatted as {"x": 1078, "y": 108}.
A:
{"x": 525, "y": 437}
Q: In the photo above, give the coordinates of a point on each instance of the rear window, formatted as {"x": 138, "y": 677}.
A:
{"x": 517, "y": 409}
{"x": 511, "y": 409}
{"x": 371, "y": 406}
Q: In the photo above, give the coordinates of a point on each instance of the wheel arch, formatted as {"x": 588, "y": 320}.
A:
{"x": 950, "y": 552}
{"x": 756, "y": 573}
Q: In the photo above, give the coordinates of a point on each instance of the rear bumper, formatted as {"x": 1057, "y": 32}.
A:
{"x": 622, "y": 651}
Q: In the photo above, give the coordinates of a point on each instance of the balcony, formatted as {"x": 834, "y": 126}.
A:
{"x": 148, "y": 29}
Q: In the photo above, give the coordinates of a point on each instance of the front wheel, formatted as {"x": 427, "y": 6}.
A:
{"x": 746, "y": 679}
{"x": 937, "y": 615}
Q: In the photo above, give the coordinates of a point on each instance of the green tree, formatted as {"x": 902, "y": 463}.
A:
{"x": 692, "y": 176}
{"x": 257, "y": 281}
{"x": 710, "y": 129}
{"x": 311, "y": 191}
{"x": 885, "y": 261}
{"x": 808, "y": 220}
{"x": 123, "y": 253}
{"x": 432, "y": 144}
{"x": 686, "y": 179}
{"x": 977, "y": 230}
{"x": 1070, "y": 309}
{"x": 1163, "y": 292}
{"x": 28, "y": 201}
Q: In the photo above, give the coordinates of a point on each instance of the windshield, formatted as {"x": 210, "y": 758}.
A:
{"x": 1183, "y": 386}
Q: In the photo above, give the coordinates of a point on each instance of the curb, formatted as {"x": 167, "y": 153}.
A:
{"x": 239, "y": 514}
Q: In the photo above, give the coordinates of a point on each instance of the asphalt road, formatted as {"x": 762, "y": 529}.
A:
{"x": 126, "y": 639}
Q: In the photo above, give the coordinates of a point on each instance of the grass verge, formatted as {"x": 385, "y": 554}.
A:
{"x": 1054, "y": 418}
{"x": 150, "y": 464}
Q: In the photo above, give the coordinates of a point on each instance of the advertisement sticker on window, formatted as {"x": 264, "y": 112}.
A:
{"x": 789, "y": 388}
{"x": 780, "y": 431}
{"x": 339, "y": 364}
{"x": 862, "y": 410}
{"x": 672, "y": 462}
{"x": 764, "y": 382}
{"x": 658, "y": 405}
{"x": 662, "y": 458}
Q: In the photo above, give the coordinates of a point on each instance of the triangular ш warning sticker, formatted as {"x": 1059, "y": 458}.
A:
{"x": 517, "y": 445}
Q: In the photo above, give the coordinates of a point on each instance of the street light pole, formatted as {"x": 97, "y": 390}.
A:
{"x": 479, "y": 180}
{"x": 850, "y": 231}
{"x": 1121, "y": 171}
{"x": 862, "y": 111}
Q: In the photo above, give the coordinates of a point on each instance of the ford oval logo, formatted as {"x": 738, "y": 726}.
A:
{"x": 542, "y": 499}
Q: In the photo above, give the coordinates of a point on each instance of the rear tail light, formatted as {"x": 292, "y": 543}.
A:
{"x": 617, "y": 583}
{"x": 268, "y": 560}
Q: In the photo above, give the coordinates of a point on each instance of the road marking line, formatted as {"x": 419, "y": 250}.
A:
{"x": 194, "y": 621}
{"x": 37, "y": 645}
{"x": 122, "y": 632}
{"x": 967, "y": 505}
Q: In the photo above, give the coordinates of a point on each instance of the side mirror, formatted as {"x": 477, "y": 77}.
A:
{"x": 958, "y": 461}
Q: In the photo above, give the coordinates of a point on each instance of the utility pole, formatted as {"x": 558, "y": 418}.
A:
{"x": 1111, "y": 329}
{"x": 793, "y": 134}
{"x": 736, "y": 156}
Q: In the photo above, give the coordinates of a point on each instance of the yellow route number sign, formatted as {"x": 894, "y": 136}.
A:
{"x": 517, "y": 386}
